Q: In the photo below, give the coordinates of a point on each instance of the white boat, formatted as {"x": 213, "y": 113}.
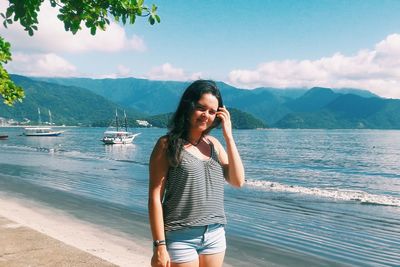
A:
{"x": 41, "y": 130}
{"x": 112, "y": 137}
{"x": 118, "y": 137}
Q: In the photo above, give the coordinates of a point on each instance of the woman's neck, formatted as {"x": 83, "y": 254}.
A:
{"x": 194, "y": 138}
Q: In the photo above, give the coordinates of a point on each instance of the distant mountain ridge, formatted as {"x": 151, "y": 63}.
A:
{"x": 295, "y": 108}
{"x": 343, "y": 111}
{"x": 157, "y": 97}
{"x": 69, "y": 105}
{"x": 151, "y": 97}
{"x": 72, "y": 105}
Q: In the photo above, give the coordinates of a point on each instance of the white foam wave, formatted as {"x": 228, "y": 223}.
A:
{"x": 18, "y": 147}
{"x": 333, "y": 193}
{"x": 53, "y": 150}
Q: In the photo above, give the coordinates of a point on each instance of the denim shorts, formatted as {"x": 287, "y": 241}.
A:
{"x": 187, "y": 244}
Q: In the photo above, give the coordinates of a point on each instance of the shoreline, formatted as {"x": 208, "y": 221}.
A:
{"x": 23, "y": 246}
{"x": 37, "y": 227}
{"x": 82, "y": 243}
{"x": 85, "y": 237}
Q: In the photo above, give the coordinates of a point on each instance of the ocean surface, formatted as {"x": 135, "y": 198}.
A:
{"x": 312, "y": 197}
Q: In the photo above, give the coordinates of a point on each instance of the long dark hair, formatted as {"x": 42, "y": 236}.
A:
{"x": 179, "y": 124}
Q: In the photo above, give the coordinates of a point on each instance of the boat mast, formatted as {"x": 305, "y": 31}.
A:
{"x": 40, "y": 119}
{"x": 116, "y": 118}
{"x": 126, "y": 122}
{"x": 51, "y": 121}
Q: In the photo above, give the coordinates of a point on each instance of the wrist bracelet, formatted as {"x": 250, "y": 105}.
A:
{"x": 157, "y": 243}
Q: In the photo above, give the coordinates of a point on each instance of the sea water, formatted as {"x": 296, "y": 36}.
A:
{"x": 312, "y": 197}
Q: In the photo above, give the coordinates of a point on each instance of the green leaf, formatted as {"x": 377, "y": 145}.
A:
{"x": 102, "y": 25}
{"x": 124, "y": 5}
{"x": 9, "y": 12}
{"x": 93, "y": 30}
{"x": 151, "y": 20}
{"x": 132, "y": 19}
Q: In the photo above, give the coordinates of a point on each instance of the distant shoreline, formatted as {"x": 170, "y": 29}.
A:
{"x": 53, "y": 126}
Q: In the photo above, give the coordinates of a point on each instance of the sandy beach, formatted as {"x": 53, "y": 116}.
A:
{"x": 23, "y": 246}
{"x": 31, "y": 235}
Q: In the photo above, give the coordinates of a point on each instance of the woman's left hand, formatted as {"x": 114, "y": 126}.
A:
{"x": 225, "y": 117}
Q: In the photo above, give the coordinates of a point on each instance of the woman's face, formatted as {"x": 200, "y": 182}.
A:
{"x": 204, "y": 112}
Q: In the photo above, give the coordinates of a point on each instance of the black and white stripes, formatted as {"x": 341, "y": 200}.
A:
{"x": 194, "y": 193}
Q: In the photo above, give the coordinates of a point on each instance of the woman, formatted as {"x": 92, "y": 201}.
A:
{"x": 188, "y": 169}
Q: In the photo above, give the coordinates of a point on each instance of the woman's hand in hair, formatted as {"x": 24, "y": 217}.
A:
{"x": 225, "y": 117}
{"x": 231, "y": 161}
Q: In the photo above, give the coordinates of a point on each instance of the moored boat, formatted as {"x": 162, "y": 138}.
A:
{"x": 3, "y": 136}
{"x": 41, "y": 131}
{"x": 117, "y": 136}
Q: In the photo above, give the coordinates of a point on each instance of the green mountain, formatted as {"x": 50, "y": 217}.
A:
{"x": 158, "y": 97}
{"x": 150, "y": 97}
{"x": 343, "y": 111}
{"x": 291, "y": 108}
{"x": 68, "y": 105}
{"x": 261, "y": 103}
{"x": 312, "y": 100}
{"x": 240, "y": 120}
{"x": 72, "y": 105}
{"x": 244, "y": 120}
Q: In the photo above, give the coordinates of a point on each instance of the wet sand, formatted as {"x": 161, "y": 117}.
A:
{"x": 33, "y": 236}
{"x": 23, "y": 246}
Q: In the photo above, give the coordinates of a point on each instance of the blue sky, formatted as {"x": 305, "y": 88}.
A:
{"x": 283, "y": 44}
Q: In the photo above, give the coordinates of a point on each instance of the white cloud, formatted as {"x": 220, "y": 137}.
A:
{"x": 167, "y": 72}
{"x": 41, "y": 65}
{"x": 377, "y": 70}
{"x": 123, "y": 71}
{"x": 52, "y": 38}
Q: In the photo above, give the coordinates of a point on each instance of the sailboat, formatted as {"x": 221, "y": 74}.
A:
{"x": 41, "y": 130}
{"x": 119, "y": 136}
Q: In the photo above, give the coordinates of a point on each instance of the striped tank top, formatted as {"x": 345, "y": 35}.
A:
{"x": 194, "y": 192}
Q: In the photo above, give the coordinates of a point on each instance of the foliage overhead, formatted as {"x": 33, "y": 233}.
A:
{"x": 8, "y": 90}
{"x": 93, "y": 14}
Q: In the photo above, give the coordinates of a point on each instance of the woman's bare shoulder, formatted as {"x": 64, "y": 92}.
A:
{"x": 163, "y": 140}
{"x": 161, "y": 145}
{"x": 214, "y": 141}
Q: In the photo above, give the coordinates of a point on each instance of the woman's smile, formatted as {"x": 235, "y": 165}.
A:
{"x": 205, "y": 111}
